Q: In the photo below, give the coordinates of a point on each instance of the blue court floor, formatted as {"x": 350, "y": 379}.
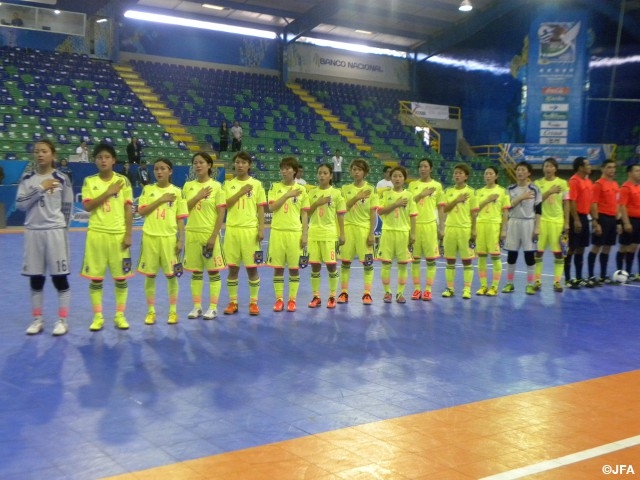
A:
{"x": 89, "y": 405}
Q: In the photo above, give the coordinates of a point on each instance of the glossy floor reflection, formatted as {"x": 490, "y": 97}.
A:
{"x": 389, "y": 391}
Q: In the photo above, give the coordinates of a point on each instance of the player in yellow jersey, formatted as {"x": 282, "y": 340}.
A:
{"x": 289, "y": 203}
{"x": 244, "y": 231}
{"x": 327, "y": 207}
{"x": 108, "y": 198}
{"x": 554, "y": 221}
{"x": 461, "y": 207}
{"x": 164, "y": 210}
{"x": 493, "y": 204}
{"x": 359, "y": 225}
{"x": 398, "y": 212}
{"x": 203, "y": 251}
{"x": 429, "y": 196}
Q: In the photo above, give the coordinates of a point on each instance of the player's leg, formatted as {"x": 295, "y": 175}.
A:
{"x": 482, "y": 249}
{"x": 315, "y": 259}
{"x": 278, "y": 287}
{"x": 61, "y": 283}
{"x": 419, "y": 251}
{"x": 329, "y": 252}
{"x": 403, "y": 259}
{"x": 194, "y": 262}
{"x": 294, "y": 285}
{"x": 451, "y": 248}
{"x": 512, "y": 246}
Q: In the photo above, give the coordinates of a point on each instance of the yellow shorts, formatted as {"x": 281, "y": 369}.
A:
{"x": 157, "y": 253}
{"x": 284, "y": 249}
{"x": 426, "y": 245}
{"x": 195, "y": 261}
{"x": 323, "y": 251}
{"x": 488, "y": 238}
{"x": 394, "y": 245}
{"x": 355, "y": 244}
{"x": 550, "y": 236}
{"x": 240, "y": 246}
{"x": 102, "y": 251}
{"x": 456, "y": 242}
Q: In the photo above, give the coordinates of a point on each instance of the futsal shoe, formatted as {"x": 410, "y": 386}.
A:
{"x": 387, "y": 297}
{"x": 537, "y": 285}
{"x": 291, "y": 306}
{"x": 482, "y": 291}
{"x": 315, "y": 302}
{"x": 493, "y": 291}
{"x": 210, "y": 314}
{"x": 60, "y": 328}
{"x": 426, "y": 296}
{"x": 416, "y": 295}
{"x": 97, "y": 323}
{"x": 509, "y": 288}
{"x": 231, "y": 308}
{"x": 343, "y": 297}
{"x": 36, "y": 327}
{"x": 557, "y": 287}
{"x": 279, "y": 305}
{"x": 150, "y": 318}
{"x": 448, "y": 293}
{"x": 366, "y": 299}
{"x": 400, "y": 298}
{"x": 173, "y": 318}
{"x": 530, "y": 290}
{"x": 466, "y": 293}
{"x": 253, "y": 309}
{"x": 331, "y": 303}
{"x": 120, "y": 321}
{"x": 194, "y": 313}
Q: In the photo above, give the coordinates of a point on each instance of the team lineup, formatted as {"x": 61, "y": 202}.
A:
{"x": 321, "y": 225}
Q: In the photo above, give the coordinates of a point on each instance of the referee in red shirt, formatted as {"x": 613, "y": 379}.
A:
{"x": 580, "y": 199}
{"x": 630, "y": 214}
{"x": 604, "y": 214}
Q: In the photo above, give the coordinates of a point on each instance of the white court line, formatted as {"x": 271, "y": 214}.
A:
{"x": 566, "y": 460}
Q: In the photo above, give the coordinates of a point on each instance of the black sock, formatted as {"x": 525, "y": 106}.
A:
{"x": 604, "y": 260}
{"x": 591, "y": 263}
{"x": 567, "y": 267}
{"x": 578, "y": 261}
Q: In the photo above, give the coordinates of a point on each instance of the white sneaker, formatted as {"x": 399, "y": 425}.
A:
{"x": 36, "y": 327}
{"x": 195, "y": 313}
{"x": 210, "y": 314}
{"x": 60, "y": 328}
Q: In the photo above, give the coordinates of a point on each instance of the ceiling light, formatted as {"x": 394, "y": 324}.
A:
{"x": 366, "y": 32}
{"x": 465, "y": 6}
{"x": 187, "y": 22}
{"x": 102, "y": 20}
{"x": 57, "y": 12}
{"x": 212, "y": 7}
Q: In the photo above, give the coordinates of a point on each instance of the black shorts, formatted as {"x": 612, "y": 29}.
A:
{"x": 634, "y": 236}
{"x": 609, "y": 231}
{"x": 577, "y": 240}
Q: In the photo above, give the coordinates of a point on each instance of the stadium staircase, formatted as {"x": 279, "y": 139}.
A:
{"x": 407, "y": 117}
{"x": 152, "y": 101}
{"x": 497, "y": 154}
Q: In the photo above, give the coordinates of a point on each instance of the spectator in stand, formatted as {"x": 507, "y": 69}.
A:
{"x": 143, "y": 174}
{"x": 337, "y": 160}
{"x": 126, "y": 171}
{"x": 134, "y": 150}
{"x": 224, "y": 137}
{"x": 16, "y": 21}
{"x": 64, "y": 168}
{"x": 299, "y": 174}
{"x": 83, "y": 151}
{"x": 236, "y": 141}
{"x": 386, "y": 182}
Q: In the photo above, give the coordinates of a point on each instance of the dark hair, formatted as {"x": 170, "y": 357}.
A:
{"x": 290, "y": 162}
{"x": 328, "y": 166}
{"x": 491, "y": 167}
{"x": 400, "y": 169}
{"x": 464, "y": 167}
{"x": 426, "y": 159}
{"x": 578, "y": 162}
{"x": 526, "y": 165}
{"x": 103, "y": 147}
{"x": 552, "y": 161}
{"x": 607, "y": 162}
{"x": 386, "y": 169}
{"x": 51, "y": 146}
{"x": 206, "y": 157}
{"x": 243, "y": 156}
{"x": 165, "y": 160}
{"x": 361, "y": 163}
{"x": 630, "y": 167}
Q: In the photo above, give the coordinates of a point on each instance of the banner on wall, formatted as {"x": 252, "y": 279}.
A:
{"x": 329, "y": 62}
{"x": 564, "y": 154}
{"x": 430, "y": 111}
{"x": 556, "y": 77}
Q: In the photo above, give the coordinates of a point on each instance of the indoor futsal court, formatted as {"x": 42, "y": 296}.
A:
{"x": 516, "y": 386}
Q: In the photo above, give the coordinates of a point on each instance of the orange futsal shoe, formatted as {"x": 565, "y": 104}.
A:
{"x": 315, "y": 302}
{"x": 291, "y": 306}
{"x": 279, "y": 305}
{"x": 416, "y": 295}
{"x": 426, "y": 296}
{"x": 343, "y": 297}
{"x": 332, "y": 302}
{"x": 366, "y": 299}
{"x": 253, "y": 309}
{"x": 231, "y": 308}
